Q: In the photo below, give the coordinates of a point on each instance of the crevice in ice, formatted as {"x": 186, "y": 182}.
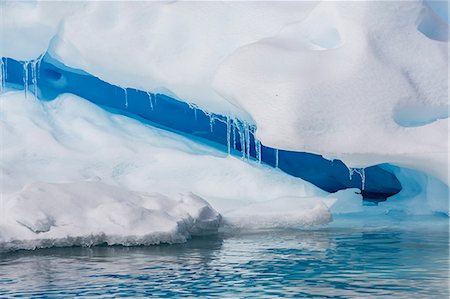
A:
{"x": 233, "y": 136}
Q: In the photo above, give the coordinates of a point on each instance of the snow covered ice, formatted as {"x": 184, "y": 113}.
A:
{"x": 90, "y": 213}
{"x": 74, "y": 173}
{"x": 363, "y": 82}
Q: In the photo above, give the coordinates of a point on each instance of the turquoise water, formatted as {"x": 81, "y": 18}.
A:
{"x": 349, "y": 259}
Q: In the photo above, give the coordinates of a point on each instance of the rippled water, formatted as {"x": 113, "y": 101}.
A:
{"x": 403, "y": 259}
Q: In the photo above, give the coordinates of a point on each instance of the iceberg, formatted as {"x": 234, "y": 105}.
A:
{"x": 248, "y": 108}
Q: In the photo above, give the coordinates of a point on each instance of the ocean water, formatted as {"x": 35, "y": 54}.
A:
{"x": 351, "y": 258}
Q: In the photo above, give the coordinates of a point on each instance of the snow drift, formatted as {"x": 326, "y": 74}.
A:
{"x": 91, "y": 213}
{"x": 73, "y": 173}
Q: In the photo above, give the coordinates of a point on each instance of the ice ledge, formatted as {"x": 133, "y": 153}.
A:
{"x": 91, "y": 213}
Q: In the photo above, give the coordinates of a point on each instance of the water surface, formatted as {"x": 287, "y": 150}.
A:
{"x": 349, "y": 259}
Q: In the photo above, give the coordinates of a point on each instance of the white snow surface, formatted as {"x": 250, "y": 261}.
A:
{"x": 362, "y": 81}
{"x": 356, "y": 81}
{"x": 89, "y": 213}
{"x": 73, "y": 173}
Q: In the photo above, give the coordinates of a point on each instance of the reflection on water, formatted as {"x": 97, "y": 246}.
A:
{"x": 338, "y": 262}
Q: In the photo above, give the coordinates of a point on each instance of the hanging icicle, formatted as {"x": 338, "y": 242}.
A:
{"x": 25, "y": 78}
{"x": 5, "y": 73}
{"x": 247, "y": 140}
{"x": 242, "y": 139}
{"x": 257, "y": 149}
{"x": 2, "y": 76}
{"x": 34, "y": 77}
{"x": 211, "y": 122}
{"x": 150, "y": 99}
{"x": 194, "y": 108}
{"x": 228, "y": 134}
{"x": 276, "y": 158}
{"x": 362, "y": 174}
{"x": 35, "y": 67}
{"x": 351, "y": 171}
{"x": 38, "y": 66}
{"x": 125, "y": 91}
{"x": 234, "y": 133}
{"x": 259, "y": 152}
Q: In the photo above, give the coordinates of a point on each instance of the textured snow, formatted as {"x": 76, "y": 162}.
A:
{"x": 27, "y": 27}
{"x": 169, "y": 47}
{"x": 90, "y": 213}
{"x": 355, "y": 81}
{"x": 72, "y": 173}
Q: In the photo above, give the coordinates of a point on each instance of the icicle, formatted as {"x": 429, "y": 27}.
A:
{"x": 351, "y": 171}
{"x": 150, "y": 101}
{"x": 6, "y": 69}
{"x": 234, "y": 134}
{"x": 211, "y": 122}
{"x": 362, "y": 174}
{"x": 257, "y": 149}
{"x": 255, "y": 141}
{"x": 194, "y": 108}
{"x": 276, "y": 158}
{"x": 363, "y": 178}
{"x": 242, "y": 140}
{"x": 35, "y": 67}
{"x": 25, "y": 77}
{"x": 247, "y": 139}
{"x": 2, "y": 76}
{"x": 228, "y": 134}
{"x": 34, "y": 77}
{"x": 38, "y": 66}
{"x": 257, "y": 145}
{"x": 125, "y": 90}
